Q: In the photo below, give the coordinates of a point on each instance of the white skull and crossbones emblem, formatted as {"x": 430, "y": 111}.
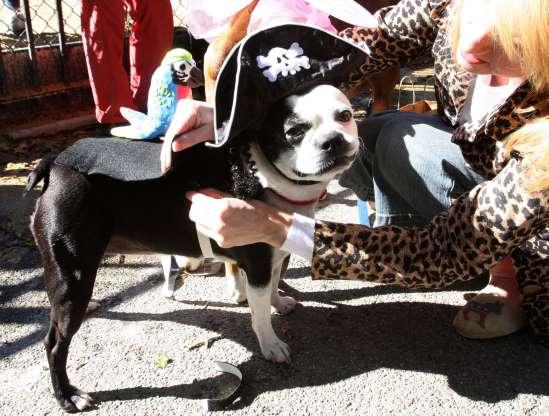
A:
{"x": 283, "y": 61}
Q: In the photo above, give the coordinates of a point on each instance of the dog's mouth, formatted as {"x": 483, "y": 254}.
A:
{"x": 328, "y": 165}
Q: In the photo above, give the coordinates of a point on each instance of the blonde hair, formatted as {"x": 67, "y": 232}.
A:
{"x": 532, "y": 143}
{"x": 521, "y": 29}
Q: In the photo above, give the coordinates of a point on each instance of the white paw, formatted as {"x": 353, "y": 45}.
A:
{"x": 237, "y": 296}
{"x": 275, "y": 350}
{"x": 81, "y": 400}
{"x": 167, "y": 293}
{"x": 284, "y": 304}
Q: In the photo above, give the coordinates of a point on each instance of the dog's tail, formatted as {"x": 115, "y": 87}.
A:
{"x": 41, "y": 171}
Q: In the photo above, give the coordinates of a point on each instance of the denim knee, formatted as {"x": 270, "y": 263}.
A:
{"x": 359, "y": 176}
{"x": 417, "y": 169}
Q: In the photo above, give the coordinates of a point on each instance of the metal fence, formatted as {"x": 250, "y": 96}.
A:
{"x": 42, "y": 47}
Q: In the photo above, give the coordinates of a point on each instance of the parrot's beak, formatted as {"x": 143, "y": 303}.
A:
{"x": 196, "y": 77}
{"x": 183, "y": 73}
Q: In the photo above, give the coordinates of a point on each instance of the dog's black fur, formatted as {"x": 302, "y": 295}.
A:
{"x": 79, "y": 217}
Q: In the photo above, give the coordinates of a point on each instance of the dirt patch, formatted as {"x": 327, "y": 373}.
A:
{"x": 19, "y": 157}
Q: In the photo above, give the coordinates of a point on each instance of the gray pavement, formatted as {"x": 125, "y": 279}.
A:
{"x": 358, "y": 348}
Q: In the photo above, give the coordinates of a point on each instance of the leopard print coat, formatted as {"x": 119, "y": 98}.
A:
{"x": 496, "y": 219}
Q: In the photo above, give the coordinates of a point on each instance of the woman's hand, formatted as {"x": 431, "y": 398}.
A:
{"x": 192, "y": 123}
{"x": 233, "y": 222}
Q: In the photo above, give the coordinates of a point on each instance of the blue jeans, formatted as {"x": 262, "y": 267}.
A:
{"x": 409, "y": 167}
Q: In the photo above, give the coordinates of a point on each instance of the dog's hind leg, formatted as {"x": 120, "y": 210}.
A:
{"x": 69, "y": 287}
{"x": 71, "y": 234}
{"x": 57, "y": 343}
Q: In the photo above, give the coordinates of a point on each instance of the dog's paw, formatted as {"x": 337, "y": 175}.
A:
{"x": 284, "y": 304}
{"x": 167, "y": 293}
{"x": 76, "y": 401}
{"x": 236, "y": 296}
{"x": 275, "y": 350}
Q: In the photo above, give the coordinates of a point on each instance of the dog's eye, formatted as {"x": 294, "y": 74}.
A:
{"x": 344, "y": 116}
{"x": 296, "y": 131}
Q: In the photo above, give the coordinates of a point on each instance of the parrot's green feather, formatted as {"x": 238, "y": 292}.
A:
{"x": 177, "y": 54}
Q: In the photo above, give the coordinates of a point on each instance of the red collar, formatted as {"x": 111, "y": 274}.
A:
{"x": 294, "y": 202}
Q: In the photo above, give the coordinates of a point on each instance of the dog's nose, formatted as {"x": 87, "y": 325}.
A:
{"x": 333, "y": 142}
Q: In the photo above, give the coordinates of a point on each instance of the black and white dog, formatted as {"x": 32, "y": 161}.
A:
{"x": 83, "y": 213}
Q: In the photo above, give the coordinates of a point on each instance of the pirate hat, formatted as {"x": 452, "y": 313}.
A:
{"x": 271, "y": 64}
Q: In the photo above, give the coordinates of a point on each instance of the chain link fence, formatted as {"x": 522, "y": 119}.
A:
{"x": 45, "y": 22}
{"x": 40, "y": 44}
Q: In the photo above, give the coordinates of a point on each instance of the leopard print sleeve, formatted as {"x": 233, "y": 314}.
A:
{"x": 496, "y": 219}
{"x": 478, "y": 230}
{"x": 404, "y": 31}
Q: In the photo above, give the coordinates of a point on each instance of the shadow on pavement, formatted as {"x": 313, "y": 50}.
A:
{"x": 332, "y": 344}
{"x": 40, "y": 315}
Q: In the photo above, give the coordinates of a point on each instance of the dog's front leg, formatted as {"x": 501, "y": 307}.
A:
{"x": 282, "y": 304}
{"x": 259, "y": 299}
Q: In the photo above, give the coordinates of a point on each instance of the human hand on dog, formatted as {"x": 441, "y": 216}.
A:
{"x": 192, "y": 123}
{"x": 233, "y": 222}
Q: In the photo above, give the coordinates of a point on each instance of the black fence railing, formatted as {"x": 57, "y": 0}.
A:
{"x": 37, "y": 44}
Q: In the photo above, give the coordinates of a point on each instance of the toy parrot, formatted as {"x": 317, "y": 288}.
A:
{"x": 176, "y": 73}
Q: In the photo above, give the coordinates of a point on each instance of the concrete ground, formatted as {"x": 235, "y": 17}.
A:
{"x": 358, "y": 349}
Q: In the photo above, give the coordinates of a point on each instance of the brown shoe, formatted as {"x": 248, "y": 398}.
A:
{"x": 488, "y": 315}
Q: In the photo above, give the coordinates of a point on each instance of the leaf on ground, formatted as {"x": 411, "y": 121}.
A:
{"x": 161, "y": 360}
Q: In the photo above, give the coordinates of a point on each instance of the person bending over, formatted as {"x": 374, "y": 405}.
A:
{"x": 458, "y": 195}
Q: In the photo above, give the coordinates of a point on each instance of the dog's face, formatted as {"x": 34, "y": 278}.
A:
{"x": 313, "y": 136}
